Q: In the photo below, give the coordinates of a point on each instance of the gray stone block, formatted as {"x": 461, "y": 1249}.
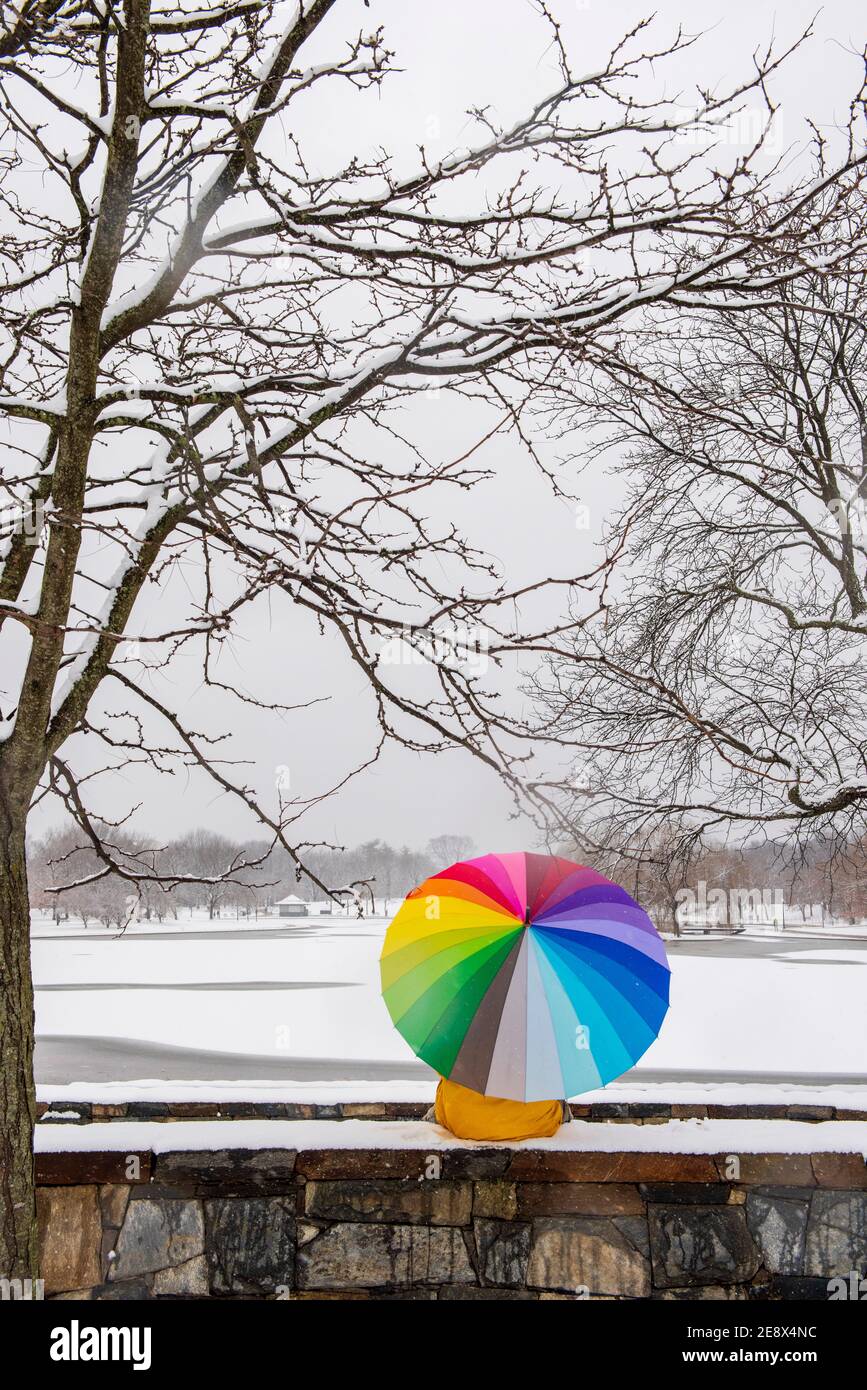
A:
{"x": 189, "y": 1280}
{"x": 778, "y": 1225}
{"x": 433, "y": 1203}
{"x": 837, "y": 1234}
{"x": 504, "y": 1251}
{"x": 227, "y": 1172}
{"x": 370, "y": 1255}
{"x": 250, "y": 1244}
{"x": 572, "y": 1253}
{"x": 156, "y": 1234}
{"x": 701, "y": 1245}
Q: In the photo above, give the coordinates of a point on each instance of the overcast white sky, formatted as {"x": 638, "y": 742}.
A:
{"x": 455, "y": 55}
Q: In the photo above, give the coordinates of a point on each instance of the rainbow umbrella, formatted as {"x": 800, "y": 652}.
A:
{"x": 525, "y": 976}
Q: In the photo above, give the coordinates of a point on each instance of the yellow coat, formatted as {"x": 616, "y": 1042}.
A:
{"x": 472, "y": 1116}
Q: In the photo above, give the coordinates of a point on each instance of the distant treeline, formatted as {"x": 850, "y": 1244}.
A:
{"x": 828, "y": 875}
{"x": 215, "y": 875}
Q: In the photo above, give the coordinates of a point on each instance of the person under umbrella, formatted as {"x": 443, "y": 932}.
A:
{"x": 518, "y": 978}
{"x": 469, "y": 1115}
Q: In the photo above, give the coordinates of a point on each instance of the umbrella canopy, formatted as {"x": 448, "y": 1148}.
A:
{"x": 525, "y": 976}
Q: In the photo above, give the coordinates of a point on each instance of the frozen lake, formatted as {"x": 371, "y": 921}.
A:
{"x": 216, "y": 1008}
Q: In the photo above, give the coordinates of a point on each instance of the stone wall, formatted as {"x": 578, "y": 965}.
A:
{"x": 615, "y": 1112}
{"x": 464, "y": 1223}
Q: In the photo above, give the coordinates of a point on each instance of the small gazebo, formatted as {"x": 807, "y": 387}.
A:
{"x": 291, "y": 907}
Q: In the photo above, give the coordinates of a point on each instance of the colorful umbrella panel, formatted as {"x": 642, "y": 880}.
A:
{"x": 525, "y": 976}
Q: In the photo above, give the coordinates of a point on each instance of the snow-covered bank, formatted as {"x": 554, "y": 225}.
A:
{"x": 675, "y": 1136}
{"x": 670, "y": 1092}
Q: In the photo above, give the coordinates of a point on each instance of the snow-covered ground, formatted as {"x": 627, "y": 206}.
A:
{"x": 291, "y": 1010}
{"x": 581, "y": 1136}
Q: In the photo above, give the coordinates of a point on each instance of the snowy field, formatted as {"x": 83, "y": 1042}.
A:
{"x": 291, "y": 1010}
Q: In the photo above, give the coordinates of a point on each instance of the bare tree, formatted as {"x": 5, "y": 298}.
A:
{"x": 215, "y": 870}
{"x": 204, "y": 338}
{"x": 723, "y": 687}
{"x": 448, "y": 849}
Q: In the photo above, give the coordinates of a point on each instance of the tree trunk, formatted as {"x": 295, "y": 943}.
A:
{"x": 675, "y": 924}
{"x": 18, "y": 1234}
